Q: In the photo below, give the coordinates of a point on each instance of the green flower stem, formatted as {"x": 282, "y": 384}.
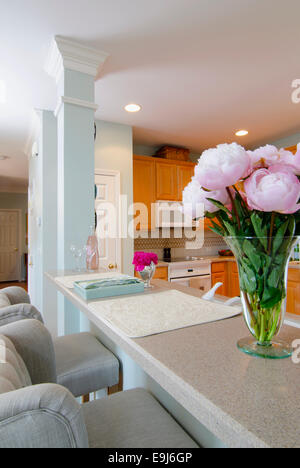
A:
{"x": 234, "y": 208}
{"x": 275, "y": 322}
{"x": 262, "y": 328}
{"x": 271, "y": 231}
{"x": 264, "y": 322}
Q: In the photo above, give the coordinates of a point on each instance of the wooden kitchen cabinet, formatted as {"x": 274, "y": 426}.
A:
{"x": 166, "y": 181}
{"x": 293, "y": 292}
{"x": 219, "y": 275}
{"x": 233, "y": 282}
{"x": 161, "y": 273}
{"x": 293, "y": 149}
{"x": 144, "y": 188}
{"x": 156, "y": 179}
{"x": 171, "y": 179}
{"x": 184, "y": 176}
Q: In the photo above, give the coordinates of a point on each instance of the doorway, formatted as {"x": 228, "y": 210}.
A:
{"x": 107, "y": 206}
{"x": 10, "y": 245}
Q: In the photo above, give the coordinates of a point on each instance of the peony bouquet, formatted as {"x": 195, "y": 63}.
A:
{"x": 144, "y": 259}
{"x": 252, "y": 199}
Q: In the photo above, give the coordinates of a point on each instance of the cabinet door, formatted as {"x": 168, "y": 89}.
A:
{"x": 233, "y": 289}
{"x": 293, "y": 149}
{"x": 219, "y": 275}
{"x": 184, "y": 174}
{"x": 161, "y": 273}
{"x": 144, "y": 189}
{"x": 219, "y": 278}
{"x": 166, "y": 181}
{"x": 293, "y": 292}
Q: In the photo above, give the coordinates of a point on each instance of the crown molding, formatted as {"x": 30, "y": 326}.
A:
{"x": 73, "y": 56}
{"x": 75, "y": 102}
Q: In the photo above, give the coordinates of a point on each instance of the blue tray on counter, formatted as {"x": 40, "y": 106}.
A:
{"x": 108, "y": 287}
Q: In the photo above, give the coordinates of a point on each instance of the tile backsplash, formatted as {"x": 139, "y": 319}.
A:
{"x": 212, "y": 244}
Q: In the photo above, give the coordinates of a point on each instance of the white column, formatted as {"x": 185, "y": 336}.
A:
{"x": 74, "y": 67}
{"x": 43, "y": 217}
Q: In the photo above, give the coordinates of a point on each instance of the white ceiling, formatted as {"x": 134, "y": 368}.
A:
{"x": 201, "y": 69}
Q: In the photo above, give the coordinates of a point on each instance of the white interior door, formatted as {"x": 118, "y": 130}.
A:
{"x": 108, "y": 219}
{"x": 10, "y": 265}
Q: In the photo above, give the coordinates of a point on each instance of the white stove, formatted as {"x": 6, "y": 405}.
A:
{"x": 194, "y": 272}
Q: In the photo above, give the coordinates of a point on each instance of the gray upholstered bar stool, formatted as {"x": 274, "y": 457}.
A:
{"x": 35, "y": 412}
{"x": 83, "y": 364}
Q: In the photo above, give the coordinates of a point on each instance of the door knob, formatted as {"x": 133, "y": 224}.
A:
{"x": 16, "y": 250}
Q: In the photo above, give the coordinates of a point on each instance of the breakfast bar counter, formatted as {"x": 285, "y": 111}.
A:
{"x": 242, "y": 400}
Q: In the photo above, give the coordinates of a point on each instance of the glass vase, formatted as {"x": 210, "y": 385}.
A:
{"x": 263, "y": 270}
{"x": 147, "y": 274}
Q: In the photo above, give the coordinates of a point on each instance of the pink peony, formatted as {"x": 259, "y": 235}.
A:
{"x": 195, "y": 199}
{"x": 143, "y": 259}
{"x": 269, "y": 155}
{"x": 292, "y": 160}
{"x": 222, "y": 166}
{"x": 274, "y": 189}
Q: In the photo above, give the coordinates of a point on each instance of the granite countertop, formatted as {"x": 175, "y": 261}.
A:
{"x": 242, "y": 400}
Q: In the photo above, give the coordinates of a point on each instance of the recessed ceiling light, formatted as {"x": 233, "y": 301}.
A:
{"x": 242, "y": 133}
{"x": 133, "y": 108}
{"x": 2, "y": 92}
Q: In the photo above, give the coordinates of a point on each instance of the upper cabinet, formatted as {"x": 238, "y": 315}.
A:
{"x": 144, "y": 188}
{"x": 184, "y": 176}
{"x": 158, "y": 179}
{"x": 293, "y": 149}
{"x": 171, "y": 179}
{"x": 166, "y": 181}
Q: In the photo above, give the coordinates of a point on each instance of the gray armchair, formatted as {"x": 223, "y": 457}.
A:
{"x": 46, "y": 415}
{"x": 84, "y": 365}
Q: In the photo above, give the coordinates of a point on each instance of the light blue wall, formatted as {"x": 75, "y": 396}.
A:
{"x": 17, "y": 201}
{"x": 114, "y": 150}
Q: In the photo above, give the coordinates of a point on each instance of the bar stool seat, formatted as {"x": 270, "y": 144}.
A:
{"x": 132, "y": 419}
{"x": 84, "y": 365}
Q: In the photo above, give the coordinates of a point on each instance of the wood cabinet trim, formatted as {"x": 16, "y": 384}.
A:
{"x": 171, "y": 162}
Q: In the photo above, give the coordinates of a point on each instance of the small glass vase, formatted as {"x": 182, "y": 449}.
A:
{"x": 263, "y": 270}
{"x": 147, "y": 274}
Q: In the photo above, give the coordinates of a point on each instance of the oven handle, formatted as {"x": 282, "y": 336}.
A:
{"x": 188, "y": 277}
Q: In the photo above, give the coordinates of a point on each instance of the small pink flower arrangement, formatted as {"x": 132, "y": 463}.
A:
{"x": 144, "y": 259}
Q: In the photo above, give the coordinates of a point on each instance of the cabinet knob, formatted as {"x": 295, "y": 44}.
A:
{"x": 112, "y": 267}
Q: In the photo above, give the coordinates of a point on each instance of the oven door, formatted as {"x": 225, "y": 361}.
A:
{"x": 181, "y": 281}
{"x": 203, "y": 283}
